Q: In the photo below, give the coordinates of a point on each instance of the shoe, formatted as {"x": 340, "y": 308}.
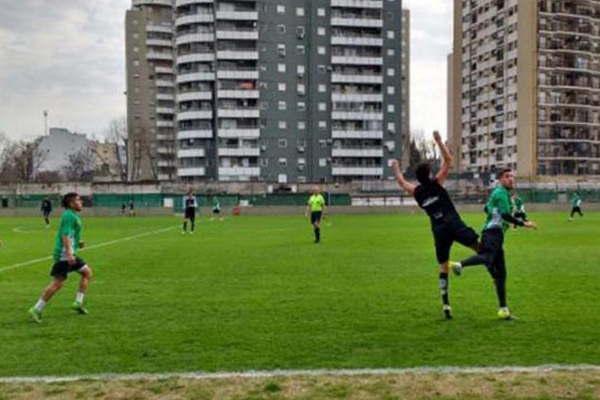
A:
{"x": 447, "y": 311}
{"x": 36, "y": 315}
{"x": 504, "y": 313}
{"x": 79, "y": 308}
{"x": 456, "y": 267}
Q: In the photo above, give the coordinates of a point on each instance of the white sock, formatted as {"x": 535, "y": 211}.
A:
{"x": 79, "y": 297}
{"x": 39, "y": 306}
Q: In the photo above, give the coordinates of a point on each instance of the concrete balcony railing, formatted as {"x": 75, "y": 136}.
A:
{"x": 238, "y": 74}
{"x": 196, "y": 57}
{"x": 191, "y": 115}
{"x": 167, "y": 3}
{"x": 237, "y": 34}
{"x": 357, "y": 22}
{"x": 356, "y": 41}
{"x": 357, "y": 3}
{"x": 354, "y": 60}
{"x": 164, "y": 70}
{"x": 357, "y": 115}
{"x": 237, "y": 55}
{"x": 239, "y": 171}
{"x": 366, "y": 153}
{"x": 180, "y": 3}
{"x": 238, "y": 15}
{"x": 354, "y": 98}
{"x": 239, "y": 133}
{"x": 195, "y": 134}
{"x": 239, "y": 152}
{"x": 194, "y": 19}
{"x": 165, "y": 96}
{"x": 357, "y": 171}
{"x": 196, "y": 76}
{"x": 153, "y": 55}
{"x": 165, "y": 124}
{"x": 191, "y": 171}
{"x": 238, "y": 94}
{"x": 165, "y": 110}
{"x": 191, "y": 96}
{"x": 159, "y": 43}
{"x": 239, "y": 113}
{"x": 356, "y": 134}
{"x": 195, "y": 38}
{"x": 356, "y": 78}
{"x": 191, "y": 153}
{"x": 159, "y": 28}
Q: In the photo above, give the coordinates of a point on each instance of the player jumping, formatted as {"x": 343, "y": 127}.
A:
{"x": 46, "y": 209}
{"x": 189, "y": 205}
{"x": 316, "y": 208}
{"x": 66, "y": 260}
{"x": 446, "y": 224}
{"x": 499, "y": 210}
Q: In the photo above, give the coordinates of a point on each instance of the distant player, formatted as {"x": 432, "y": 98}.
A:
{"x": 216, "y": 209}
{"x": 499, "y": 210}
{"x": 189, "y": 214}
{"x": 46, "y": 209}
{"x": 446, "y": 224}
{"x": 131, "y": 209}
{"x": 575, "y": 205}
{"x": 316, "y": 208}
{"x": 519, "y": 208}
{"x": 123, "y": 208}
{"x": 66, "y": 260}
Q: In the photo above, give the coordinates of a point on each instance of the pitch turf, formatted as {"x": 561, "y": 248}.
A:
{"x": 255, "y": 293}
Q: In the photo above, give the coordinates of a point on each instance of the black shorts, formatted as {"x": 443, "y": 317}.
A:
{"x": 452, "y": 231}
{"x": 315, "y": 216}
{"x": 492, "y": 242}
{"x": 46, "y": 213}
{"x": 190, "y": 213}
{"x": 61, "y": 269}
{"x": 216, "y": 211}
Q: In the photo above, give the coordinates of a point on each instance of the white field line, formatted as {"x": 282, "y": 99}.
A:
{"x": 94, "y": 246}
{"x": 541, "y": 369}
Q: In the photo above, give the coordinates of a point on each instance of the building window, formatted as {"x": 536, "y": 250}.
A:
{"x": 390, "y": 34}
{"x": 281, "y": 67}
{"x": 322, "y": 162}
{"x": 300, "y": 49}
{"x": 301, "y": 125}
{"x": 323, "y": 124}
{"x": 301, "y": 69}
{"x": 322, "y": 88}
{"x": 391, "y": 90}
{"x": 281, "y": 50}
{"x": 322, "y": 106}
{"x": 321, "y": 12}
{"x": 301, "y": 89}
{"x": 280, "y": 9}
{"x": 391, "y": 52}
{"x": 282, "y": 143}
{"x": 391, "y": 126}
{"x": 301, "y": 106}
{"x": 282, "y": 124}
{"x": 300, "y": 11}
{"x": 391, "y": 108}
{"x": 321, "y": 31}
{"x": 321, "y": 50}
{"x": 281, "y": 86}
{"x": 282, "y": 105}
{"x": 281, "y": 28}
{"x": 391, "y": 72}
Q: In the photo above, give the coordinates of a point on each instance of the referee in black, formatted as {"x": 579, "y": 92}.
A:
{"x": 189, "y": 205}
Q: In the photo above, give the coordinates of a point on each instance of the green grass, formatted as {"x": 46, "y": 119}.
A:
{"x": 255, "y": 293}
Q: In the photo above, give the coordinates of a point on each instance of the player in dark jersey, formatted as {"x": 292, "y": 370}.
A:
{"x": 446, "y": 224}
{"x": 46, "y": 210}
{"x": 189, "y": 206}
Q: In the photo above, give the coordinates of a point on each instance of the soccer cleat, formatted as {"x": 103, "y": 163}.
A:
{"x": 77, "y": 306}
{"x": 504, "y": 313}
{"x": 36, "y": 315}
{"x": 447, "y": 311}
{"x": 456, "y": 267}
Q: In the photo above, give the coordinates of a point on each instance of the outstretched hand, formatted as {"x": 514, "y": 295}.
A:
{"x": 437, "y": 137}
{"x": 530, "y": 224}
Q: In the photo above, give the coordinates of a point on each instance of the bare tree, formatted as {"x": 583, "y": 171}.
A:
{"x": 81, "y": 166}
{"x": 20, "y": 161}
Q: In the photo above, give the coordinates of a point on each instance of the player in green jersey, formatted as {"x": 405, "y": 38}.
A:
{"x": 499, "y": 210}
{"x": 67, "y": 245}
{"x": 316, "y": 208}
{"x": 575, "y": 206}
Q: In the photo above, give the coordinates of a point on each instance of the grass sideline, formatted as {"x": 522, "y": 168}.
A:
{"x": 542, "y": 384}
{"x": 254, "y": 293}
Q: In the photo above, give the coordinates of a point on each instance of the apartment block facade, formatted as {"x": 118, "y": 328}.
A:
{"x": 282, "y": 90}
{"x": 525, "y": 89}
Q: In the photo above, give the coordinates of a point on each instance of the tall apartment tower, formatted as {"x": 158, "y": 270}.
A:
{"x": 405, "y": 68}
{"x": 288, "y": 90}
{"x": 150, "y": 90}
{"x": 526, "y": 86}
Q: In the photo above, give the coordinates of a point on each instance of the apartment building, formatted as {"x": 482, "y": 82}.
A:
{"x": 525, "y": 90}
{"x": 288, "y": 90}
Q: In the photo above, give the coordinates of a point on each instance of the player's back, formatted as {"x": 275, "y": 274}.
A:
{"x": 436, "y": 202}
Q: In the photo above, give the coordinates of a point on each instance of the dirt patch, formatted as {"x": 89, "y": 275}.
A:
{"x": 410, "y": 386}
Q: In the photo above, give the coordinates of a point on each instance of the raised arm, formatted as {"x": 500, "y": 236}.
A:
{"x": 403, "y": 183}
{"x": 446, "y": 158}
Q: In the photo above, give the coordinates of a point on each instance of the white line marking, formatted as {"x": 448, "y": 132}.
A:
{"x": 94, "y": 246}
{"x": 307, "y": 372}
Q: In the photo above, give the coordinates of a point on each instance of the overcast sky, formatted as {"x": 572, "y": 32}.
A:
{"x": 67, "y": 57}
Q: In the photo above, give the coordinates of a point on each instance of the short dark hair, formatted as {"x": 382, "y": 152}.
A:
{"x": 423, "y": 173}
{"x": 67, "y": 198}
{"x": 503, "y": 171}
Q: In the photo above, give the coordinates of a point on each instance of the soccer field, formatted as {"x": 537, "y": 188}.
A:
{"x": 254, "y": 293}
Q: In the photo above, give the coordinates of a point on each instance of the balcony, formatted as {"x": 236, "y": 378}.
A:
{"x": 357, "y": 78}
{"x": 179, "y": 3}
{"x": 191, "y": 153}
{"x": 196, "y": 171}
{"x": 356, "y": 41}
{"x": 239, "y": 133}
{"x": 165, "y": 110}
{"x": 153, "y": 55}
{"x": 152, "y": 3}
{"x": 194, "y": 19}
{"x": 196, "y": 76}
{"x": 195, "y": 57}
{"x": 165, "y": 96}
{"x": 164, "y": 70}
{"x": 190, "y": 115}
{"x": 159, "y": 28}
{"x": 357, "y": 3}
{"x": 239, "y": 113}
{"x": 239, "y": 152}
{"x": 195, "y": 38}
{"x": 357, "y": 115}
{"x": 237, "y": 34}
{"x": 356, "y": 60}
{"x": 355, "y": 98}
{"x": 239, "y": 171}
{"x": 238, "y": 74}
{"x": 357, "y": 22}
{"x": 237, "y": 55}
{"x": 191, "y": 96}
{"x": 159, "y": 43}
{"x": 356, "y": 134}
{"x": 165, "y": 150}
{"x": 366, "y": 153}
{"x": 238, "y": 94}
{"x": 357, "y": 171}
{"x": 165, "y": 124}
{"x": 195, "y": 134}
{"x": 238, "y": 15}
